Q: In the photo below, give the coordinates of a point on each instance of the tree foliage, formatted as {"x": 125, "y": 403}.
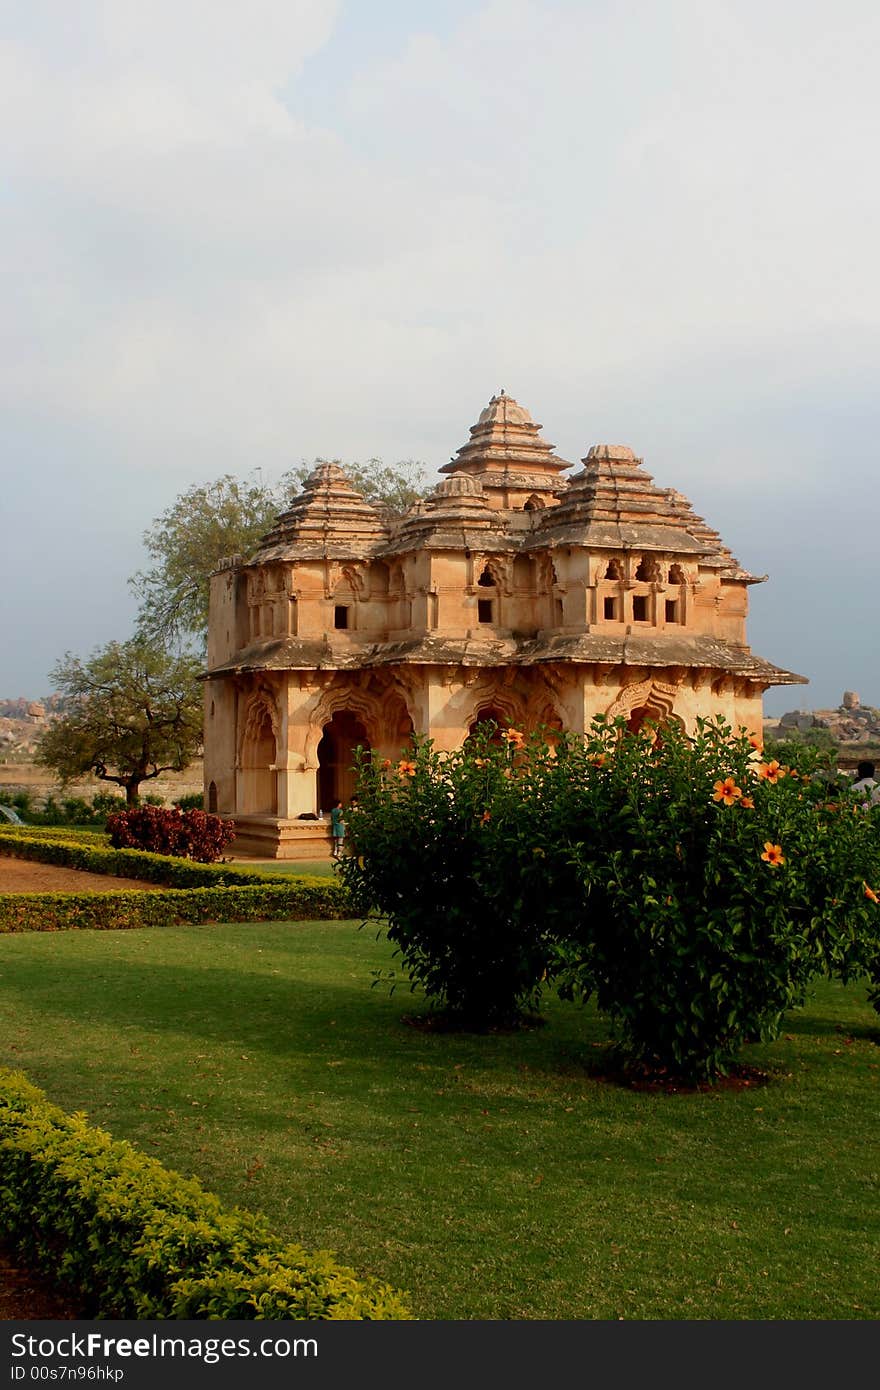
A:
{"x": 135, "y": 712}
{"x": 212, "y": 521}
{"x": 392, "y": 487}
{"x": 204, "y": 525}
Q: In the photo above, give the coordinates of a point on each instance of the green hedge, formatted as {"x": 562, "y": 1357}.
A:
{"x": 296, "y": 899}
{"x": 166, "y": 869}
{"x": 134, "y": 1240}
{"x": 98, "y": 837}
{"x": 196, "y": 892}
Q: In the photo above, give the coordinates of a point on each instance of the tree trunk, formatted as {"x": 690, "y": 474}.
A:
{"x": 132, "y": 788}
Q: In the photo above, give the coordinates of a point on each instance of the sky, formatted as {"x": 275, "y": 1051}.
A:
{"x": 239, "y": 237}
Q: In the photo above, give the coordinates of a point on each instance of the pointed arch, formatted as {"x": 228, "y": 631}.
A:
{"x": 258, "y": 756}
{"x": 644, "y": 701}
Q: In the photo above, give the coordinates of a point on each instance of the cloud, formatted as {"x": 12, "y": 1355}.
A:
{"x": 236, "y": 235}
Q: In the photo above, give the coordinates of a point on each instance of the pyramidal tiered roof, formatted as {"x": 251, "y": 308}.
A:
{"x": 329, "y": 518}
{"x": 449, "y": 516}
{"x": 506, "y": 451}
{"x": 614, "y": 503}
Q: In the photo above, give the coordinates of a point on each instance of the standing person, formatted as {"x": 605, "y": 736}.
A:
{"x": 337, "y": 829}
{"x": 866, "y": 783}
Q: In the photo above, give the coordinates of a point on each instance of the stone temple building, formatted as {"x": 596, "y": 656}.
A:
{"x": 510, "y": 593}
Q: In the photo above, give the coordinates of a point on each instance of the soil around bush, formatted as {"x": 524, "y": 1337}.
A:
{"x": 25, "y": 1296}
{"x": 30, "y": 876}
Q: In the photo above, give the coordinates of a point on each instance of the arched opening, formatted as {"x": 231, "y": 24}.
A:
{"x": 259, "y": 780}
{"x": 647, "y": 570}
{"x": 639, "y": 717}
{"x": 612, "y": 570}
{"x": 336, "y": 775}
{"x": 654, "y": 717}
{"x": 490, "y": 716}
{"x": 676, "y": 575}
{"x": 486, "y": 579}
{"x": 533, "y": 504}
{"x": 212, "y": 798}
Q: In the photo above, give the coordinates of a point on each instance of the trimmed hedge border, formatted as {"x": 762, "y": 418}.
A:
{"x": 98, "y": 837}
{"x": 197, "y": 892}
{"x": 166, "y": 869}
{"x": 136, "y": 1240}
{"x": 296, "y": 900}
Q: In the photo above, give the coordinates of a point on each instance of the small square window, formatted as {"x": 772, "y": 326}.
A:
{"x": 672, "y": 610}
{"x": 640, "y": 608}
{"x": 611, "y": 609}
{"x": 340, "y": 616}
{"x": 484, "y": 610}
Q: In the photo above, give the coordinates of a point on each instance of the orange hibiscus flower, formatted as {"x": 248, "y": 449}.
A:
{"x": 870, "y": 894}
{"x": 772, "y": 771}
{"x": 747, "y": 803}
{"x": 406, "y": 768}
{"x": 773, "y": 854}
{"x": 727, "y": 791}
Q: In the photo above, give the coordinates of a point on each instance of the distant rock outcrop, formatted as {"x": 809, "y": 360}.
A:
{"x": 851, "y": 723}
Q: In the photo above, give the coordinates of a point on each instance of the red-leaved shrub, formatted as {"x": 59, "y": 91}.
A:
{"x": 187, "y": 834}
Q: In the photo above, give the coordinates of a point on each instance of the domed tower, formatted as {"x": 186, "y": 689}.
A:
{"x": 516, "y": 467}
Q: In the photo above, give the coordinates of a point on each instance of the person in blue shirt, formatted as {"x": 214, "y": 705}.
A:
{"x": 337, "y": 829}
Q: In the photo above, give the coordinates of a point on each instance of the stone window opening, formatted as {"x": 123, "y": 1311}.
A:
{"x": 612, "y": 570}
{"x": 610, "y": 609}
{"x": 340, "y": 616}
{"x": 672, "y": 608}
{"x": 676, "y": 575}
{"x": 640, "y": 608}
{"x": 647, "y": 570}
{"x": 486, "y": 579}
{"x": 484, "y": 609}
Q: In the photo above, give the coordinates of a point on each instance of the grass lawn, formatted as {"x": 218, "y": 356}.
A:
{"x": 490, "y": 1177}
{"x": 323, "y": 867}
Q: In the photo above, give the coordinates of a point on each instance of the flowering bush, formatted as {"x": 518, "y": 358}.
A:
{"x": 189, "y": 834}
{"x": 692, "y": 886}
{"x": 424, "y": 854}
{"x": 711, "y": 886}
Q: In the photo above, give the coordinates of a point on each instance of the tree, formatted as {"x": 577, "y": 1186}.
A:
{"x": 135, "y": 712}
{"x": 210, "y": 521}
{"x": 203, "y": 526}
{"x": 392, "y": 487}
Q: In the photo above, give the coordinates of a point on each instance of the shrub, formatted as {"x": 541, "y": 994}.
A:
{"x": 193, "y": 801}
{"x": 106, "y": 804}
{"x": 138, "y": 1241}
{"x": 691, "y": 886}
{"x": 423, "y": 856}
{"x": 189, "y": 834}
{"x": 73, "y": 810}
{"x": 713, "y": 886}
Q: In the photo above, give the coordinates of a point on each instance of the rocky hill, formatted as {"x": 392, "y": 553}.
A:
{"x": 851, "y": 725}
